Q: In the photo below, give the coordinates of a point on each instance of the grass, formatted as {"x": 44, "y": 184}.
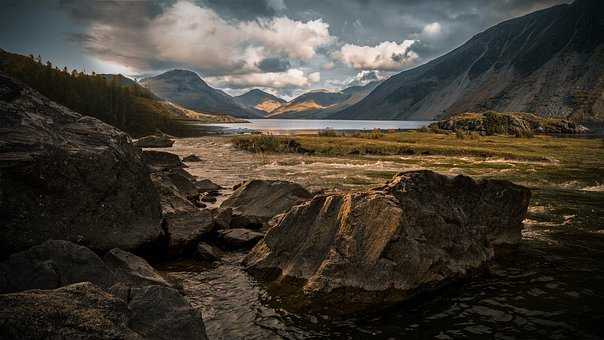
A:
{"x": 539, "y": 148}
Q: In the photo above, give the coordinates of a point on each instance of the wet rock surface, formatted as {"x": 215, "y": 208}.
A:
{"x": 255, "y": 202}
{"x": 70, "y": 176}
{"x": 420, "y": 231}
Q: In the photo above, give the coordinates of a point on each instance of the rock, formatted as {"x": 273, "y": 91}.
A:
{"x": 239, "y": 238}
{"x": 159, "y": 160}
{"x": 154, "y": 141}
{"x": 206, "y": 185}
{"x": 51, "y": 265}
{"x": 161, "y": 313}
{"x": 132, "y": 270}
{"x": 84, "y": 311}
{"x": 257, "y": 201}
{"x": 207, "y": 252}
{"x": 191, "y": 158}
{"x": 222, "y": 217}
{"x": 351, "y": 251}
{"x": 207, "y": 197}
{"x": 78, "y": 311}
{"x": 68, "y": 176}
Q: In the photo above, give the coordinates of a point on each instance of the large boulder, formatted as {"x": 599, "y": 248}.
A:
{"x": 237, "y": 238}
{"x": 84, "y": 311}
{"x": 159, "y": 160}
{"x": 255, "y": 202}
{"x": 132, "y": 270}
{"x": 155, "y": 141}
{"x": 68, "y": 176}
{"x": 349, "y": 251}
{"x": 51, "y": 265}
{"x": 79, "y": 311}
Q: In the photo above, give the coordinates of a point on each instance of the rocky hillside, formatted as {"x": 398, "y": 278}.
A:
{"x": 322, "y": 104}
{"x": 260, "y": 100}
{"x": 550, "y": 62}
{"x": 187, "y": 89}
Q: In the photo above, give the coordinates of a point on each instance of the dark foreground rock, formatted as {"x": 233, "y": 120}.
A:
{"x": 84, "y": 311}
{"x": 68, "y": 176}
{"x": 132, "y": 270}
{"x": 159, "y": 160}
{"x": 154, "y": 141}
{"x": 239, "y": 238}
{"x": 191, "y": 158}
{"x": 510, "y": 123}
{"x": 350, "y": 251}
{"x": 255, "y": 202}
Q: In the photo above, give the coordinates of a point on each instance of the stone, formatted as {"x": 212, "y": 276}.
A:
{"x": 257, "y": 201}
{"x": 191, "y": 158}
{"x": 155, "y": 141}
{"x": 347, "y": 252}
{"x": 160, "y": 160}
{"x": 206, "y": 185}
{"x": 132, "y": 270}
{"x": 68, "y": 176}
{"x": 222, "y": 217}
{"x": 239, "y": 238}
{"x": 51, "y": 265}
{"x": 78, "y": 311}
{"x": 207, "y": 252}
{"x": 208, "y": 198}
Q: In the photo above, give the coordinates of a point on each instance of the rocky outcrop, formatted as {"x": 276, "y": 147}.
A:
{"x": 155, "y": 141}
{"x": 84, "y": 311}
{"x": 239, "y": 238}
{"x": 68, "y": 176}
{"x": 255, "y": 202}
{"x": 510, "y": 123}
{"x": 132, "y": 270}
{"x": 418, "y": 232}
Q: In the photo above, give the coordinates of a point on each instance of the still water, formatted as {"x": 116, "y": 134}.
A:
{"x": 321, "y": 124}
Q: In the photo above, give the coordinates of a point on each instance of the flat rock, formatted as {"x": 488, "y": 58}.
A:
{"x": 191, "y": 158}
{"x": 51, "y": 265}
{"x": 132, "y": 270}
{"x": 68, "y": 176}
{"x": 351, "y": 251}
{"x": 207, "y": 252}
{"x": 154, "y": 141}
{"x": 239, "y": 237}
{"x": 159, "y": 160}
{"x": 206, "y": 185}
{"x": 257, "y": 201}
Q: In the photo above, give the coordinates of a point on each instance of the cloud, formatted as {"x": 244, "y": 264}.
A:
{"x": 365, "y": 77}
{"x": 432, "y": 29}
{"x": 288, "y": 79}
{"x": 187, "y": 35}
{"x": 387, "y": 56}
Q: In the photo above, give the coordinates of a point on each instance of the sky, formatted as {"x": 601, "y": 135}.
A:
{"x": 285, "y": 47}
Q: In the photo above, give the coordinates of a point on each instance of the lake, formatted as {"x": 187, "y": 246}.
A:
{"x": 275, "y": 125}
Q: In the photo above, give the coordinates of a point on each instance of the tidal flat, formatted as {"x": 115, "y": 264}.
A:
{"x": 549, "y": 288}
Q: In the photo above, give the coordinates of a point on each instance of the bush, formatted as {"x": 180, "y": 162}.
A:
{"x": 328, "y": 132}
{"x": 267, "y": 143}
{"x": 459, "y": 134}
{"x": 376, "y": 134}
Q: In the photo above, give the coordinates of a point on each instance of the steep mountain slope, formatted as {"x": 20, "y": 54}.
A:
{"x": 321, "y": 104}
{"x": 550, "y": 62}
{"x": 260, "y": 100}
{"x": 187, "y": 89}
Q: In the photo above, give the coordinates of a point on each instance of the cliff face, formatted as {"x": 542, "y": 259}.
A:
{"x": 550, "y": 62}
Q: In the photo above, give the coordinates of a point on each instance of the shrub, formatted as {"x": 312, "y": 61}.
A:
{"x": 328, "y": 132}
{"x": 459, "y": 134}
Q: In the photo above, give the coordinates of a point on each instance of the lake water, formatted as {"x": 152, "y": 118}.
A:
{"x": 321, "y": 124}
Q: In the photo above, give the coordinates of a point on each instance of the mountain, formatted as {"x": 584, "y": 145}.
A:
{"x": 260, "y": 100}
{"x": 187, "y": 89}
{"x": 550, "y": 62}
{"x": 322, "y": 104}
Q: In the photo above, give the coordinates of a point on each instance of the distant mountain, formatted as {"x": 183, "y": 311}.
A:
{"x": 322, "y": 104}
{"x": 550, "y": 62}
{"x": 260, "y": 100}
{"x": 187, "y": 89}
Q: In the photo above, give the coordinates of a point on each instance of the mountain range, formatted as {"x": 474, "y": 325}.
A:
{"x": 550, "y": 62}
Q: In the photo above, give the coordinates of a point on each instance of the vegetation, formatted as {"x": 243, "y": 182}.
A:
{"x": 540, "y": 148}
{"x": 125, "y": 105}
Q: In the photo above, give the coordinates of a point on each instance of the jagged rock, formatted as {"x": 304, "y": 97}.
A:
{"x": 206, "y": 185}
{"x": 53, "y": 264}
{"x": 222, "y": 217}
{"x": 191, "y": 158}
{"x": 68, "y": 176}
{"x": 132, "y": 270}
{"x": 84, "y": 311}
{"x": 154, "y": 141}
{"x": 161, "y": 313}
{"x": 78, "y": 311}
{"x": 255, "y": 202}
{"x": 159, "y": 160}
{"x": 239, "y": 238}
{"x": 418, "y": 232}
{"x": 207, "y": 252}
{"x": 207, "y": 197}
